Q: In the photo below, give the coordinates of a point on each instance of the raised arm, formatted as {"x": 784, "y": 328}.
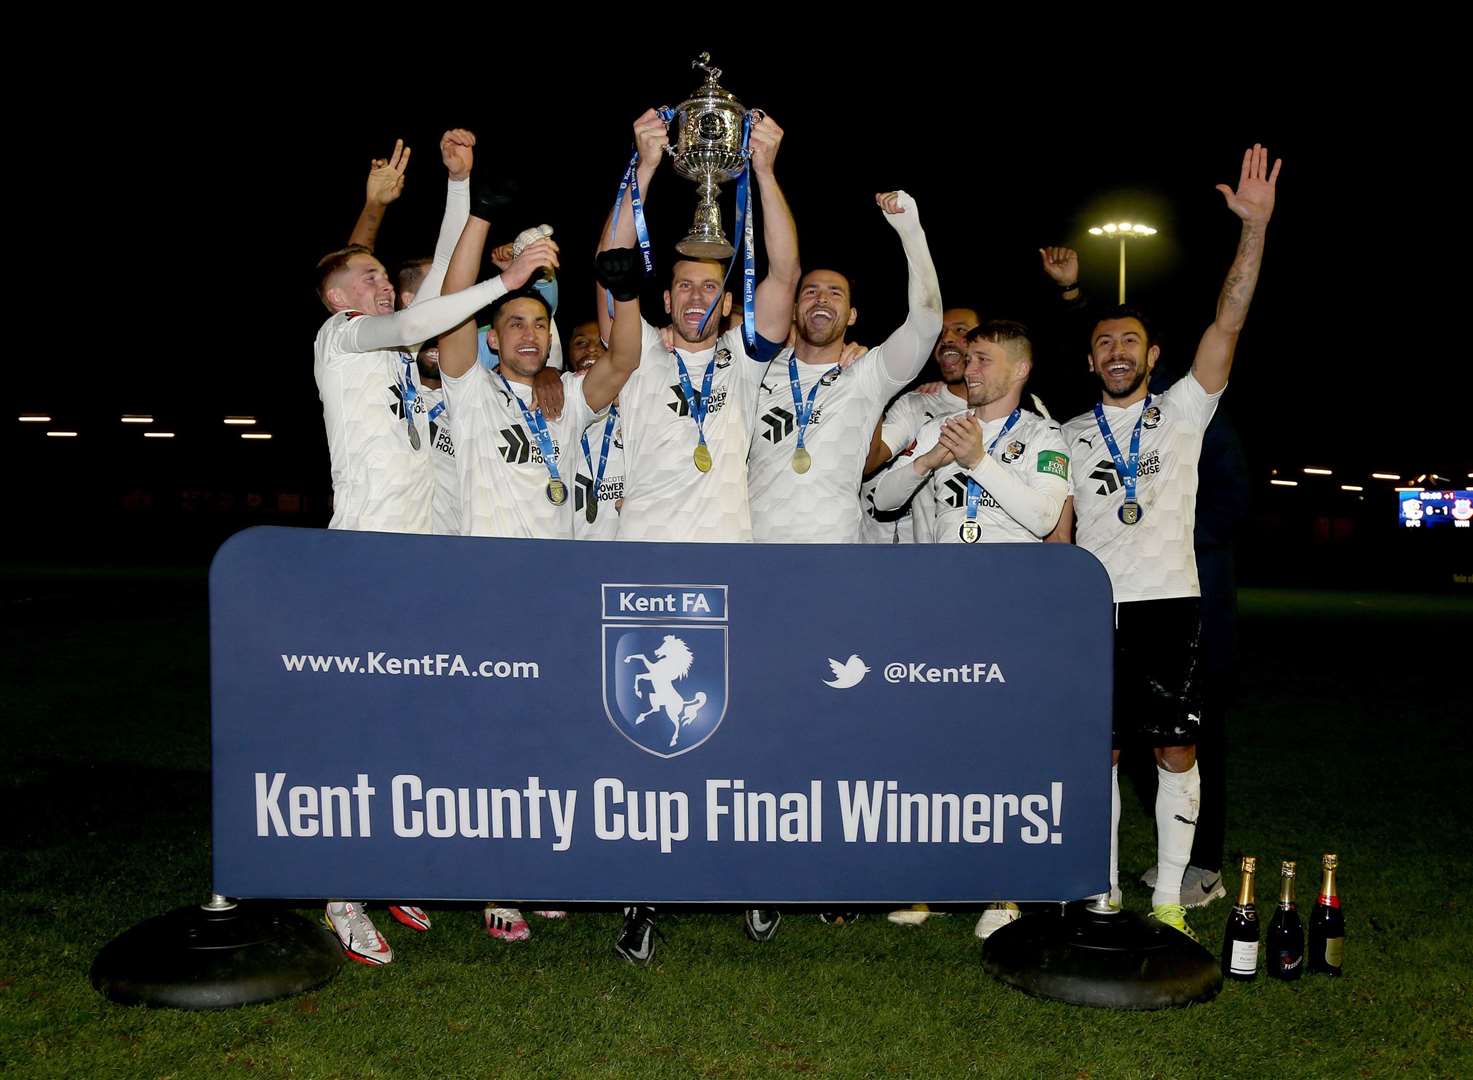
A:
{"x": 650, "y": 137}
{"x": 618, "y": 270}
{"x": 457, "y": 151}
{"x": 773, "y": 303}
{"x": 458, "y": 346}
{"x": 1253, "y": 202}
{"x": 385, "y": 184}
{"x": 905, "y": 351}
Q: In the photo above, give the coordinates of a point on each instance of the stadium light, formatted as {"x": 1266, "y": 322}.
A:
{"x": 255, "y": 435}
{"x": 1388, "y": 476}
{"x": 1351, "y": 487}
{"x": 1318, "y": 472}
{"x": 1284, "y": 483}
{"x": 247, "y": 420}
{"x": 33, "y": 418}
{"x": 136, "y": 418}
{"x": 61, "y": 434}
{"x": 158, "y": 434}
{"x": 1122, "y": 230}
{"x": 1411, "y": 489}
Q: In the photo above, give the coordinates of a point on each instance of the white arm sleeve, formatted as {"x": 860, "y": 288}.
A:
{"x": 1034, "y": 506}
{"x": 897, "y": 485}
{"x": 905, "y": 351}
{"x": 899, "y": 481}
{"x": 923, "y": 514}
{"x": 419, "y": 322}
{"x": 457, "y": 213}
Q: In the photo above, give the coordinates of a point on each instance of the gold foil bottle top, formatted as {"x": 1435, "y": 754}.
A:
{"x": 1287, "y": 869}
{"x": 1330, "y": 861}
{"x": 1250, "y": 864}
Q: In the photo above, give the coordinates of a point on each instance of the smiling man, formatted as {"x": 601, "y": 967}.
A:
{"x": 1134, "y": 493}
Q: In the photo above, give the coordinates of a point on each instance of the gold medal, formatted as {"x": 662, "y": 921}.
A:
{"x": 802, "y": 460}
{"x": 702, "y": 457}
{"x": 557, "y": 492}
{"x": 970, "y": 532}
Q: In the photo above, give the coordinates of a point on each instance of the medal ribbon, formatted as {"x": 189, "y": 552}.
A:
{"x": 1125, "y": 466}
{"x": 537, "y": 425}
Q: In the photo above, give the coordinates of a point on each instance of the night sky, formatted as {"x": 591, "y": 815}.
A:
{"x": 206, "y": 231}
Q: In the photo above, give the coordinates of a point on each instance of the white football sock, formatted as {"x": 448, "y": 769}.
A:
{"x": 1114, "y": 828}
{"x": 1178, "y": 798}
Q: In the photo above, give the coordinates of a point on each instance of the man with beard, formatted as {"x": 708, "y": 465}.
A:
{"x": 995, "y": 473}
{"x": 688, "y": 411}
{"x": 383, "y": 479}
{"x": 1138, "y": 521}
{"x": 816, "y": 417}
{"x": 904, "y": 419}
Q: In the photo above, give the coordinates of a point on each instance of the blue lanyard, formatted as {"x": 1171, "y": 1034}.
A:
{"x": 537, "y": 425}
{"x": 436, "y": 411}
{"x": 630, "y": 182}
{"x": 974, "y": 489}
{"x": 1125, "y": 466}
{"x": 407, "y": 389}
{"x": 603, "y": 455}
{"x": 697, "y": 405}
{"x": 749, "y": 253}
{"x": 804, "y": 409}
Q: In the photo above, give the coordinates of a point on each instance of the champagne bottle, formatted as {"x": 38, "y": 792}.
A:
{"x": 1327, "y": 925}
{"x": 1286, "y": 931}
{"x": 1240, "y": 939}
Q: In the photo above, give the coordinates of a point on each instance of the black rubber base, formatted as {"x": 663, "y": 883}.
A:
{"x": 1117, "y": 961}
{"x": 194, "y": 958}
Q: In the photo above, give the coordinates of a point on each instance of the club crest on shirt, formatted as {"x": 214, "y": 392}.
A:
{"x": 1013, "y": 452}
{"x": 723, "y": 358}
{"x": 1151, "y": 418}
{"x": 830, "y": 377}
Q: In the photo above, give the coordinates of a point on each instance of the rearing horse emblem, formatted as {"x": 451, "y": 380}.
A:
{"x": 665, "y": 686}
{"x": 672, "y": 662}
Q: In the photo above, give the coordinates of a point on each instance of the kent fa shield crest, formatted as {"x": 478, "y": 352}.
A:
{"x": 665, "y": 682}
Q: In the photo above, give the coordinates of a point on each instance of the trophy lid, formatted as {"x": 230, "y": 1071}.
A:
{"x": 712, "y": 87}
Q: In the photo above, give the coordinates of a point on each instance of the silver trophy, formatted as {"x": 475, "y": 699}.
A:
{"x": 708, "y": 149}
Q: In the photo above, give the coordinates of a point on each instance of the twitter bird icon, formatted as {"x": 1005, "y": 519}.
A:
{"x": 847, "y": 674}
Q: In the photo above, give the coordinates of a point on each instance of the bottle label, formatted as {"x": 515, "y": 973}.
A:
{"x": 1335, "y": 951}
{"x": 1244, "y": 959}
{"x": 1288, "y": 961}
{"x": 1330, "y": 901}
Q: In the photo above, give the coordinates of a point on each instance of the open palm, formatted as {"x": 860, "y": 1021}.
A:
{"x": 1254, "y": 199}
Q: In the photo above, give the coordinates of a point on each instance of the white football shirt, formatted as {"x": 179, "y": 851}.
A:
{"x": 605, "y": 524}
{"x": 665, "y": 496}
{"x": 445, "y": 511}
{"x": 503, "y": 477}
{"x": 904, "y": 419}
{"x": 823, "y": 504}
{"x": 1153, "y": 559}
{"x": 1032, "y": 452}
{"x": 380, "y": 481}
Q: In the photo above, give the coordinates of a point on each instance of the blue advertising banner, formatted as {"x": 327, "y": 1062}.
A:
{"x": 426, "y": 717}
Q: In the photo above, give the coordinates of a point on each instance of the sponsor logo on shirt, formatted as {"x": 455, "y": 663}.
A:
{"x": 678, "y": 406}
{"x": 1053, "y": 463}
{"x": 517, "y": 449}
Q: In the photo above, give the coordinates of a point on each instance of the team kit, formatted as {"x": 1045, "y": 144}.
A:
{"x": 750, "y": 417}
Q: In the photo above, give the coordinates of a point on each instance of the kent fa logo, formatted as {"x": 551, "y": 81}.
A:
{"x": 516, "y": 448}
{"x": 1104, "y": 472}
{"x": 665, "y": 682}
{"x": 778, "y": 423}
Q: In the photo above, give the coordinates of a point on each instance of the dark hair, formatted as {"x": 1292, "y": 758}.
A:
{"x": 334, "y": 261}
{"x": 832, "y": 269}
{"x": 1120, "y": 311}
{"x": 1004, "y": 332}
{"x": 720, "y": 272}
{"x": 411, "y": 273}
{"x": 526, "y": 292}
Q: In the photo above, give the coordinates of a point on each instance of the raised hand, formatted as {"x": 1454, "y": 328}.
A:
{"x": 1254, "y": 199}
{"x": 501, "y": 256}
{"x": 900, "y": 209}
{"x": 766, "y": 137}
{"x": 1061, "y": 264}
{"x": 457, "y": 152}
{"x": 652, "y": 137}
{"x": 533, "y": 258}
{"x": 386, "y": 175}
